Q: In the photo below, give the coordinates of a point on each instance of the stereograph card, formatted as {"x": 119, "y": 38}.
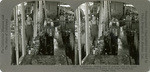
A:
{"x": 74, "y": 35}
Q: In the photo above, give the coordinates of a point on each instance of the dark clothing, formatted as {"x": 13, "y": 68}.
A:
{"x": 106, "y": 48}
{"x": 49, "y": 44}
{"x": 29, "y": 30}
{"x": 50, "y": 30}
{"x": 29, "y": 33}
{"x": 13, "y": 57}
{"x": 66, "y": 29}
{"x": 83, "y": 52}
{"x": 134, "y": 53}
{"x": 115, "y": 29}
{"x": 94, "y": 30}
{"x": 130, "y": 40}
{"x": 42, "y": 45}
{"x": 47, "y": 40}
{"x": 114, "y": 34}
{"x": 94, "y": 33}
{"x": 114, "y": 44}
{"x": 68, "y": 50}
{"x": 46, "y": 44}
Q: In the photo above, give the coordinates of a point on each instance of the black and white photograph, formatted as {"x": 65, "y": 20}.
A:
{"x": 95, "y": 33}
{"x": 42, "y": 33}
{"x": 107, "y": 33}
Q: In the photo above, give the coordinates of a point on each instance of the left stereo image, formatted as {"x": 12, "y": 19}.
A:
{"x": 42, "y": 33}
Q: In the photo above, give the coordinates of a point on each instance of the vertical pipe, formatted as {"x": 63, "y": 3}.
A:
{"x": 35, "y": 19}
{"x": 79, "y": 36}
{"x": 109, "y": 11}
{"x": 13, "y": 49}
{"x": 45, "y": 9}
{"x": 58, "y": 9}
{"x": 40, "y": 14}
{"x": 123, "y": 9}
{"x": 87, "y": 29}
{"x": 76, "y": 48}
{"x": 100, "y": 20}
{"x": 16, "y": 36}
{"x": 106, "y": 14}
{"x": 23, "y": 28}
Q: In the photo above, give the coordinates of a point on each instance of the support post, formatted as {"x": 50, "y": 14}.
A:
{"x": 103, "y": 17}
{"x": 101, "y": 24}
{"x": 106, "y": 14}
{"x": 16, "y": 35}
{"x": 76, "y": 48}
{"x": 79, "y": 35}
{"x": 23, "y": 29}
{"x": 35, "y": 19}
{"x": 87, "y": 30}
{"x": 40, "y": 14}
{"x": 45, "y": 8}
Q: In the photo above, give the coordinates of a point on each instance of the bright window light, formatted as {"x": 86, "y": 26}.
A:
{"x": 64, "y": 5}
{"x": 0, "y": 0}
{"x": 19, "y": 4}
{"x": 25, "y": 3}
{"x": 91, "y": 3}
{"x": 0, "y": 70}
{"x": 130, "y": 5}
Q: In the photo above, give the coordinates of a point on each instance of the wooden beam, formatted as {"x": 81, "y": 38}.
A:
{"x": 16, "y": 35}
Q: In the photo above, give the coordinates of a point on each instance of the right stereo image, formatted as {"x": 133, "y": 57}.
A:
{"x": 106, "y": 33}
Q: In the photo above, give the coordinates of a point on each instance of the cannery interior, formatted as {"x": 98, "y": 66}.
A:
{"x": 95, "y": 33}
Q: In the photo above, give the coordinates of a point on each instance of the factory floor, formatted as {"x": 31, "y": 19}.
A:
{"x": 122, "y": 58}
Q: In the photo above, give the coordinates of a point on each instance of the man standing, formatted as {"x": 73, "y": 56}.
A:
{"x": 29, "y": 31}
{"x": 114, "y": 33}
{"x": 50, "y": 30}
{"x": 94, "y": 31}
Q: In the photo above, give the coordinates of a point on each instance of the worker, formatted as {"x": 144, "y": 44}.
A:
{"x": 50, "y": 30}
{"x": 114, "y": 33}
{"x": 94, "y": 31}
{"x": 29, "y": 31}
